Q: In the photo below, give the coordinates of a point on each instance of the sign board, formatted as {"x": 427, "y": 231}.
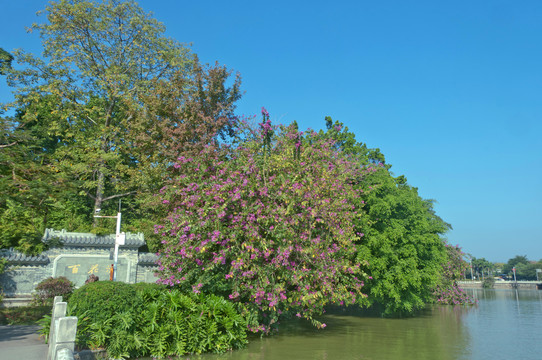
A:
{"x": 538, "y": 270}
{"x": 78, "y": 268}
{"x": 120, "y": 238}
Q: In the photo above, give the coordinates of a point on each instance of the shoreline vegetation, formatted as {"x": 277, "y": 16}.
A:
{"x": 254, "y": 222}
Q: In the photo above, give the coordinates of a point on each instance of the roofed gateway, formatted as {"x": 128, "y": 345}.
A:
{"x": 77, "y": 256}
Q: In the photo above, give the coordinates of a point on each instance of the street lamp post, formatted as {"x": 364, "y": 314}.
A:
{"x": 120, "y": 239}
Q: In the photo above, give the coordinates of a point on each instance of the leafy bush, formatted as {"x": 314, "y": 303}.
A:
{"x": 150, "y": 320}
{"x": 488, "y": 283}
{"x": 102, "y": 299}
{"x": 143, "y": 287}
{"x": 51, "y": 287}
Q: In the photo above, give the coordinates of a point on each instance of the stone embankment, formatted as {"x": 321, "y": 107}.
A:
{"x": 521, "y": 285}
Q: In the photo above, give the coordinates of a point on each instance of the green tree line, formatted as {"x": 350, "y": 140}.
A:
{"x": 114, "y": 110}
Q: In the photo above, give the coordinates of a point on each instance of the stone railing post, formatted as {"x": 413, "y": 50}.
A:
{"x": 62, "y": 332}
{"x": 64, "y": 354}
{"x": 66, "y": 328}
{"x": 59, "y": 310}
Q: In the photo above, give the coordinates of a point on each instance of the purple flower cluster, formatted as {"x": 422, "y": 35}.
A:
{"x": 276, "y": 235}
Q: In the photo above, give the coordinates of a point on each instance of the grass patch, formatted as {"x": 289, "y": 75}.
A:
{"x": 23, "y": 315}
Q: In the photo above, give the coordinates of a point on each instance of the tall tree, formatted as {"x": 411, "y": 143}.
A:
{"x": 482, "y": 267}
{"x": 184, "y": 116}
{"x": 99, "y": 61}
{"x": 121, "y": 102}
{"x": 400, "y": 245}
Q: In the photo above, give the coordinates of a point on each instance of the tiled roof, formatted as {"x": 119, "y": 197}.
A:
{"x": 92, "y": 240}
{"x": 15, "y": 257}
{"x": 147, "y": 259}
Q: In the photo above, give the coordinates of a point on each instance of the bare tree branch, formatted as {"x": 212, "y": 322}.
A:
{"x": 7, "y": 145}
{"x": 118, "y": 195}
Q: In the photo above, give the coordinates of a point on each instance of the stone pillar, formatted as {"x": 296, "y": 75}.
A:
{"x": 64, "y": 336}
{"x": 59, "y": 310}
{"x": 64, "y": 354}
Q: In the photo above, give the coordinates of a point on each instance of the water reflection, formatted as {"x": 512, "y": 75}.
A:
{"x": 438, "y": 333}
{"x": 505, "y": 324}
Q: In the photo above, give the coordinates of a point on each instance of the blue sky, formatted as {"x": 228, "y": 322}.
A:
{"x": 450, "y": 91}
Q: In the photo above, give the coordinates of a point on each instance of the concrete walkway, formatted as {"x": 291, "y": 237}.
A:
{"x": 21, "y": 342}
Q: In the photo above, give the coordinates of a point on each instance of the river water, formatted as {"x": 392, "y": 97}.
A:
{"x": 505, "y": 324}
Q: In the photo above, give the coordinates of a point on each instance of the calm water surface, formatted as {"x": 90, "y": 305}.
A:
{"x": 506, "y": 324}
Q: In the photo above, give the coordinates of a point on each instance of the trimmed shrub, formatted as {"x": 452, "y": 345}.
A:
{"x": 51, "y": 287}
{"x": 149, "y": 287}
{"x": 100, "y": 300}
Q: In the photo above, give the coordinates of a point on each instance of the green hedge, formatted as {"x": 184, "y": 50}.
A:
{"x": 151, "y": 320}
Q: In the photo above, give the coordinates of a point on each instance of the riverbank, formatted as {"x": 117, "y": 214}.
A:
{"x": 503, "y": 285}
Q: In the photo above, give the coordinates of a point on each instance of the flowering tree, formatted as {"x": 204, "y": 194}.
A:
{"x": 268, "y": 224}
{"x": 449, "y": 292}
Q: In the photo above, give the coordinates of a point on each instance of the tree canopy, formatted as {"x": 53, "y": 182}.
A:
{"x": 268, "y": 223}
{"x": 5, "y": 61}
{"x": 401, "y": 243}
{"x": 106, "y": 110}
{"x": 281, "y": 222}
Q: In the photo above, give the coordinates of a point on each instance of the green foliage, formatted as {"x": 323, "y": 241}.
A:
{"x": 525, "y": 269}
{"x": 34, "y": 193}
{"x": 154, "y": 321}
{"x": 98, "y": 60}
{"x": 448, "y": 292}
{"x": 513, "y": 262}
{"x": 101, "y": 115}
{"x": 23, "y": 315}
{"x": 102, "y": 299}
{"x": 51, "y": 287}
{"x": 481, "y": 267}
{"x": 402, "y": 243}
{"x": 5, "y": 61}
{"x": 488, "y": 283}
{"x": 400, "y": 248}
{"x": 269, "y": 224}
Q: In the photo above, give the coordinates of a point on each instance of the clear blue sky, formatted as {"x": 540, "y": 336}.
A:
{"x": 450, "y": 91}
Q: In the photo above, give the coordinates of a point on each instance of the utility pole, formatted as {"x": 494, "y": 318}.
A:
{"x": 120, "y": 239}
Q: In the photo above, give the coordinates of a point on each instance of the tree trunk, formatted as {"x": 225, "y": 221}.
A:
{"x": 101, "y": 177}
{"x": 99, "y": 195}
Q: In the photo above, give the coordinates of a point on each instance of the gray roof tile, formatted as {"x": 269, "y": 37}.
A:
{"x": 147, "y": 258}
{"x": 15, "y": 257}
{"x": 92, "y": 240}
